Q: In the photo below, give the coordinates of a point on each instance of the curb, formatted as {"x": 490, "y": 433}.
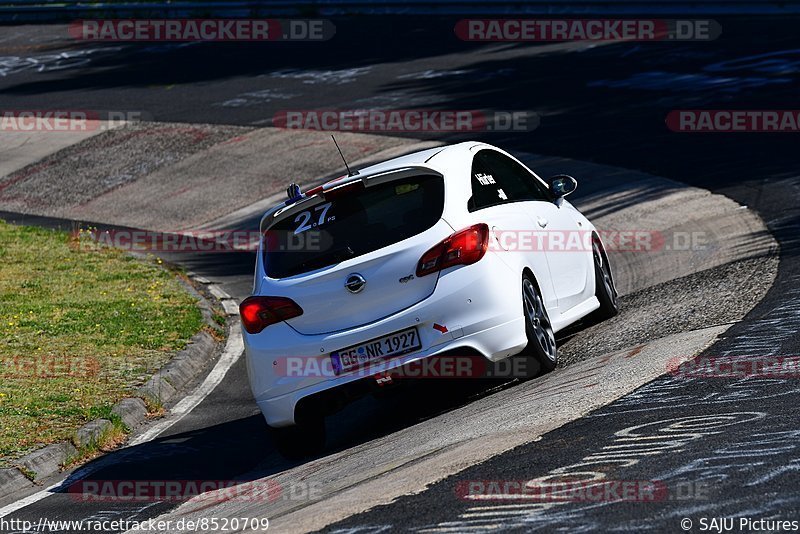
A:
{"x": 163, "y": 387}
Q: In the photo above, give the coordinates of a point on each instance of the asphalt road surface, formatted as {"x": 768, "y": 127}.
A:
{"x": 732, "y": 441}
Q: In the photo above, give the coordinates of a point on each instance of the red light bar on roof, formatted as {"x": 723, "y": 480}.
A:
{"x": 343, "y": 190}
{"x": 313, "y": 191}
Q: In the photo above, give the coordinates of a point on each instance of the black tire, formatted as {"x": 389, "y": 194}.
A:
{"x": 302, "y": 440}
{"x": 605, "y": 290}
{"x": 541, "y": 340}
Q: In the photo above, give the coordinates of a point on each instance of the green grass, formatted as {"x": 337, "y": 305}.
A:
{"x": 80, "y": 327}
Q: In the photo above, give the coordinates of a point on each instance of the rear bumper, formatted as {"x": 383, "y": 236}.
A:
{"x": 480, "y": 305}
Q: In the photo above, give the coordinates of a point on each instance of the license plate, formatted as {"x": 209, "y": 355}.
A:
{"x": 396, "y": 344}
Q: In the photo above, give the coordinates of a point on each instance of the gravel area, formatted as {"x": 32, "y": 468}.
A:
{"x": 715, "y": 296}
{"x": 86, "y": 170}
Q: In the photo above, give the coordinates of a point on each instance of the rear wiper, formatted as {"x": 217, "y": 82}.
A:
{"x": 342, "y": 253}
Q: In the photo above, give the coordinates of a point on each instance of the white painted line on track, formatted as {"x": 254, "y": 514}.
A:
{"x": 233, "y": 350}
{"x": 231, "y": 354}
{"x": 27, "y": 501}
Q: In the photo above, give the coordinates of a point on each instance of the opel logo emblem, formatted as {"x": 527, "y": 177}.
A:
{"x": 355, "y": 283}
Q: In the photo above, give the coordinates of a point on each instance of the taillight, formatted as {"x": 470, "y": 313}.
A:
{"x": 260, "y": 312}
{"x": 462, "y": 248}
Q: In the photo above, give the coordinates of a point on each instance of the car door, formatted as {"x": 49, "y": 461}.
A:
{"x": 496, "y": 201}
{"x": 557, "y": 234}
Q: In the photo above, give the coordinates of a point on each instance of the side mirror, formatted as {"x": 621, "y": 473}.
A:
{"x": 562, "y": 185}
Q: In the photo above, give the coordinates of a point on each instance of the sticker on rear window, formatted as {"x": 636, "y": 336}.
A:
{"x": 485, "y": 179}
{"x": 405, "y": 188}
{"x": 320, "y": 216}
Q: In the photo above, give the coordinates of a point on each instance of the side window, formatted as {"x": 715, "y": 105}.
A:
{"x": 497, "y": 179}
{"x": 486, "y": 189}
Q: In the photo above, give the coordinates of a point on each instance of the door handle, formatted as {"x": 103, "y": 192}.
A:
{"x": 542, "y": 222}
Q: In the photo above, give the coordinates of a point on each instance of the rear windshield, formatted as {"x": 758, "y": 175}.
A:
{"x": 330, "y": 231}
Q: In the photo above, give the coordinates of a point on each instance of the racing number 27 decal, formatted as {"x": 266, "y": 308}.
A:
{"x": 304, "y": 218}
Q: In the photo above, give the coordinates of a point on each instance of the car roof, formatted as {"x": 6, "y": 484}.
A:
{"x": 424, "y": 158}
{"x": 438, "y": 159}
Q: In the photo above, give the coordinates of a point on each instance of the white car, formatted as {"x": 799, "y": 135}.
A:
{"x": 455, "y": 248}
